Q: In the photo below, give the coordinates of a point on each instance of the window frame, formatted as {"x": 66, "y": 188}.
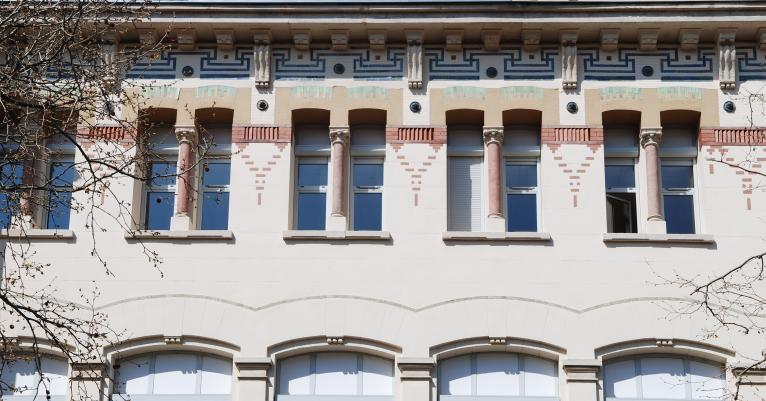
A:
{"x": 41, "y": 394}
{"x": 212, "y": 159}
{"x": 318, "y": 159}
{"x": 63, "y": 158}
{"x": 523, "y": 161}
{"x": 374, "y": 160}
{"x": 682, "y": 161}
{"x": 148, "y": 188}
{"x": 463, "y": 154}
{"x": 625, "y": 161}
{"x": 474, "y": 371}
{"x": 636, "y": 358}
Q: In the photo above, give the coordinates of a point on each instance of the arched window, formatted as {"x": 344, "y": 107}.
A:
{"x": 331, "y": 374}
{"x": 144, "y": 376}
{"x": 497, "y": 375}
{"x": 658, "y": 378}
{"x": 22, "y": 377}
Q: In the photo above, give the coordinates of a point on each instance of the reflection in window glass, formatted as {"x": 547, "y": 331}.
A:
{"x": 10, "y": 176}
{"x": 312, "y": 175}
{"x": 663, "y": 378}
{"x": 368, "y": 194}
{"x": 59, "y": 196}
{"x": 521, "y": 196}
{"x": 160, "y": 195}
{"x": 173, "y": 374}
{"x": 311, "y": 199}
{"x": 335, "y": 374}
{"x": 215, "y": 195}
{"x": 23, "y": 377}
{"x": 620, "y": 176}
{"x": 497, "y": 374}
{"x": 677, "y": 176}
{"x": 678, "y": 197}
{"x": 311, "y": 211}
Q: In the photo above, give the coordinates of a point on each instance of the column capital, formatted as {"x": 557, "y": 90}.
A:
{"x": 650, "y": 136}
{"x": 582, "y": 370}
{"x": 186, "y": 134}
{"x": 493, "y": 135}
{"x": 253, "y": 368}
{"x": 416, "y": 368}
{"x": 339, "y": 135}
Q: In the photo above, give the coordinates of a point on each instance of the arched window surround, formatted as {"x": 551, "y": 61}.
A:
{"x": 28, "y": 346}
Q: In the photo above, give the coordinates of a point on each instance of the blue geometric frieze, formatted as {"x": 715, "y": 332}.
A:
{"x": 751, "y": 63}
{"x": 362, "y": 63}
{"x": 626, "y": 64}
{"x": 207, "y": 61}
{"x": 472, "y": 63}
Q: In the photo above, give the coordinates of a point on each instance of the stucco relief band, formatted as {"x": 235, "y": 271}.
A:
{"x": 187, "y": 138}
{"x": 493, "y": 139}
{"x": 338, "y": 141}
{"x": 650, "y": 142}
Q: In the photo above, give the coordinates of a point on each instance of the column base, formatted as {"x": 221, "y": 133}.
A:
{"x": 180, "y": 222}
{"x": 337, "y": 223}
{"x": 656, "y": 227}
{"x": 495, "y": 224}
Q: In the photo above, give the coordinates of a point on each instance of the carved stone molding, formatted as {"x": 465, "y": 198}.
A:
{"x": 647, "y": 39}
{"x": 414, "y": 59}
{"x": 335, "y": 340}
{"x": 760, "y": 37}
{"x": 339, "y": 135}
{"x": 187, "y": 39}
{"x": 493, "y": 135}
{"x": 491, "y": 39}
{"x": 610, "y": 40}
{"x": 453, "y": 39}
{"x": 727, "y": 59}
{"x": 262, "y": 57}
{"x": 224, "y": 39}
{"x": 186, "y": 135}
{"x": 688, "y": 39}
{"x": 531, "y": 39}
{"x": 650, "y": 136}
{"x": 416, "y": 368}
{"x": 147, "y": 37}
{"x": 173, "y": 340}
{"x": 582, "y": 370}
{"x": 301, "y": 39}
{"x": 339, "y": 39}
{"x": 253, "y": 368}
{"x": 377, "y": 39}
{"x": 569, "y": 59}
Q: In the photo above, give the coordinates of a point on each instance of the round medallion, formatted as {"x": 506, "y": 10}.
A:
{"x": 262, "y": 105}
{"x": 572, "y": 107}
{"x": 647, "y": 71}
{"x": 729, "y": 106}
{"x": 338, "y": 69}
{"x": 187, "y": 71}
{"x": 415, "y": 107}
{"x": 491, "y": 72}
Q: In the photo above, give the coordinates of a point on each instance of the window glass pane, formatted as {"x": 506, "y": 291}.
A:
{"x": 8, "y": 207}
{"x": 216, "y": 174}
{"x": 677, "y": 176}
{"x": 11, "y": 174}
{"x": 620, "y": 176}
{"x": 367, "y": 211}
{"x": 162, "y": 174}
{"x": 707, "y": 381}
{"x": 520, "y": 175}
{"x": 455, "y": 376}
{"x": 175, "y": 374}
{"x": 55, "y": 375}
{"x": 663, "y": 378}
{"x": 295, "y": 375}
{"x": 159, "y": 209}
{"x": 464, "y": 193}
{"x": 620, "y": 379}
{"x": 133, "y": 376}
{"x": 312, "y": 175}
{"x": 22, "y": 375}
{"x": 59, "y": 207}
{"x": 539, "y": 377}
{"x": 621, "y": 212}
{"x": 215, "y": 376}
{"x": 679, "y": 214}
{"x": 522, "y": 212}
{"x": 311, "y": 211}
{"x": 368, "y": 175}
{"x": 377, "y": 376}
{"x": 497, "y": 374}
{"x": 62, "y": 174}
{"x": 215, "y": 210}
{"x": 336, "y": 374}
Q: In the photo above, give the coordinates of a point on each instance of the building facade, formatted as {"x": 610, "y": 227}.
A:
{"x": 421, "y": 201}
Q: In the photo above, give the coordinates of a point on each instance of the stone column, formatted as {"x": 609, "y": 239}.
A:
{"x": 87, "y": 381}
{"x": 493, "y": 157}
{"x": 187, "y": 143}
{"x": 650, "y": 143}
{"x": 252, "y": 379}
{"x": 339, "y": 195}
{"x": 582, "y": 379}
{"x": 416, "y": 376}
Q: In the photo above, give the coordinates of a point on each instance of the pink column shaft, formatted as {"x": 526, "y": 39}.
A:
{"x": 494, "y": 167}
{"x": 653, "y": 192}
{"x": 184, "y": 177}
{"x": 338, "y": 178}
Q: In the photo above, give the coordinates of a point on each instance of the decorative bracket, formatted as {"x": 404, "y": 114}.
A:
{"x": 665, "y": 342}
{"x": 173, "y": 340}
{"x": 491, "y": 39}
{"x": 531, "y": 39}
{"x": 760, "y": 37}
{"x": 262, "y": 57}
{"x": 689, "y": 39}
{"x": 453, "y": 39}
{"x": 335, "y": 340}
{"x": 147, "y": 37}
{"x": 302, "y": 39}
{"x": 339, "y": 39}
{"x": 224, "y": 38}
{"x": 727, "y": 59}
{"x": 377, "y": 39}
{"x": 414, "y": 59}
{"x": 187, "y": 39}
{"x": 647, "y": 39}
{"x": 610, "y": 40}
{"x": 569, "y": 59}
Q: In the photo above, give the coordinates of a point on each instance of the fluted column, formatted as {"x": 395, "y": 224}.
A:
{"x": 493, "y": 157}
{"x": 187, "y": 142}
{"x": 338, "y": 212}
{"x": 650, "y": 143}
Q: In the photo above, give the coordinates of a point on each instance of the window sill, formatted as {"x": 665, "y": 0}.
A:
{"x": 37, "y": 233}
{"x": 496, "y": 236}
{"x": 321, "y": 235}
{"x": 658, "y": 238}
{"x": 223, "y": 235}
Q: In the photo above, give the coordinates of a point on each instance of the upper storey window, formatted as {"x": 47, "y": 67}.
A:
{"x": 160, "y": 195}
{"x": 216, "y": 176}
{"x": 465, "y": 165}
{"x": 521, "y": 195}
{"x": 197, "y": 376}
{"x": 490, "y": 375}
{"x": 312, "y": 162}
{"x": 61, "y": 175}
{"x": 327, "y": 375}
{"x": 10, "y": 176}
{"x": 368, "y": 150}
{"x": 23, "y": 378}
{"x": 621, "y": 132}
{"x": 663, "y": 378}
{"x": 678, "y": 153}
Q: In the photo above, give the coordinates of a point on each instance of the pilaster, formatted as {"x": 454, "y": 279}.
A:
{"x": 253, "y": 378}
{"x": 88, "y": 381}
{"x": 582, "y": 378}
{"x": 416, "y": 376}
